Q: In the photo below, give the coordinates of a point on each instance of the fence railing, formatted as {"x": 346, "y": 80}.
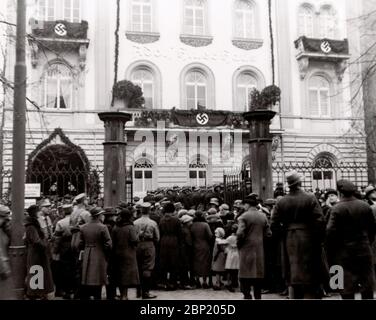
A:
{"x": 59, "y": 182}
{"x": 238, "y": 183}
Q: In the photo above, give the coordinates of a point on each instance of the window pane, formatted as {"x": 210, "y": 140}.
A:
{"x": 190, "y": 92}
{"x": 51, "y": 93}
{"x": 201, "y": 95}
{"x": 148, "y": 174}
{"x": 324, "y": 103}
{"x": 192, "y": 174}
{"x": 313, "y": 103}
{"x": 138, "y": 174}
{"x": 202, "y": 174}
{"x": 65, "y": 94}
{"x": 317, "y": 175}
{"x": 241, "y": 98}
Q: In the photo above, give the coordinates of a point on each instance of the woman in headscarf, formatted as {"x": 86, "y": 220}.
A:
{"x": 125, "y": 239}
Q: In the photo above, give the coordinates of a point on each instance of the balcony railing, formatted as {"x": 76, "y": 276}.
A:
{"x": 334, "y": 51}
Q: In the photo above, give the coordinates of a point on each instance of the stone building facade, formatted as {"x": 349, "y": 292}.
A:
{"x": 190, "y": 54}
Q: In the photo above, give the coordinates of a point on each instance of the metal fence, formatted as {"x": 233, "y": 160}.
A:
{"x": 59, "y": 182}
{"x": 322, "y": 176}
{"x": 237, "y": 184}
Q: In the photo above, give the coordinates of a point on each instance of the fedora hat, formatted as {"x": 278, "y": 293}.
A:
{"x": 293, "y": 178}
{"x": 214, "y": 201}
{"x": 96, "y": 211}
{"x": 185, "y": 219}
{"x": 346, "y": 186}
{"x": 45, "y": 203}
{"x": 329, "y": 192}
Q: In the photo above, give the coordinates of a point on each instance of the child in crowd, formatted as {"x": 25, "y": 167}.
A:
{"x": 219, "y": 257}
{"x": 232, "y": 260}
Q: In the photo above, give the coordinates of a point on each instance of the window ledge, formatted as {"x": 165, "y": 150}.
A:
{"x": 247, "y": 44}
{"x": 196, "y": 40}
{"x": 142, "y": 37}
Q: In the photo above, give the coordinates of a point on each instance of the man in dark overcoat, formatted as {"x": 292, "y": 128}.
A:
{"x": 171, "y": 236}
{"x": 299, "y": 218}
{"x": 351, "y": 232}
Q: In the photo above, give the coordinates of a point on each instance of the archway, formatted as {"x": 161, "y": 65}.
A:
{"x": 60, "y": 167}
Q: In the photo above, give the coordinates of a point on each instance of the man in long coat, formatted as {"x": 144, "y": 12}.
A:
{"x": 148, "y": 232}
{"x": 253, "y": 228}
{"x": 351, "y": 231}
{"x": 96, "y": 242}
{"x": 171, "y": 236}
{"x": 299, "y": 218}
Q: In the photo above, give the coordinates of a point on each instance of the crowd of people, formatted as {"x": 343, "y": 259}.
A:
{"x": 185, "y": 239}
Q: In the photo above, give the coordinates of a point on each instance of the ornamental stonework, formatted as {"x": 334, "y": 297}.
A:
{"x": 247, "y": 44}
{"x": 196, "y": 41}
{"x": 141, "y": 37}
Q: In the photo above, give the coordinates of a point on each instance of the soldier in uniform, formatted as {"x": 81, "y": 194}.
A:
{"x": 80, "y": 215}
{"x": 148, "y": 235}
{"x": 63, "y": 249}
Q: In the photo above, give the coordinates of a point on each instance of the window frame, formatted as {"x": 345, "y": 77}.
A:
{"x": 194, "y": 25}
{"x": 198, "y": 166}
{"x": 71, "y": 19}
{"x": 47, "y": 79}
{"x": 247, "y": 98}
{"x": 304, "y": 16}
{"x": 318, "y": 91}
{"x": 196, "y": 84}
{"x": 144, "y": 69}
{"x": 44, "y": 16}
{"x": 141, "y": 6}
{"x": 243, "y": 12}
{"x": 146, "y": 166}
{"x": 324, "y": 23}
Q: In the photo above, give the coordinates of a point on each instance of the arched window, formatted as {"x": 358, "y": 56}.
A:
{"x": 145, "y": 79}
{"x": 141, "y": 15}
{"x": 244, "y": 19}
{"x": 245, "y": 83}
{"x": 194, "y": 17}
{"x": 72, "y": 10}
{"x": 306, "y": 21}
{"x": 319, "y": 96}
{"x": 143, "y": 175}
{"x": 323, "y": 173}
{"x": 196, "y": 89}
{"x": 58, "y": 87}
{"x": 198, "y": 172}
{"x": 327, "y": 22}
{"x": 47, "y": 10}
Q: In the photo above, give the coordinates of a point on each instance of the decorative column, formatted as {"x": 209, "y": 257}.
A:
{"x": 114, "y": 157}
{"x": 260, "y": 149}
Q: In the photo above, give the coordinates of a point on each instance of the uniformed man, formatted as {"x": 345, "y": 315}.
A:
{"x": 63, "y": 249}
{"x": 148, "y": 235}
{"x": 80, "y": 215}
{"x": 44, "y": 218}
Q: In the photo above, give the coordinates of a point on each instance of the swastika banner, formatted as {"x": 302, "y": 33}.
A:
{"x": 200, "y": 118}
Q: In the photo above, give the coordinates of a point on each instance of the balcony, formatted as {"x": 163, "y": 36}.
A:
{"x": 333, "y": 51}
{"x": 59, "y": 36}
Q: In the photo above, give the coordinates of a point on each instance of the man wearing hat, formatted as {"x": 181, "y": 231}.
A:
{"x": 237, "y": 208}
{"x": 298, "y": 216}
{"x": 96, "y": 243}
{"x": 6, "y": 281}
{"x": 148, "y": 235}
{"x": 66, "y": 258}
{"x": 350, "y": 234}
{"x": 331, "y": 199}
{"x": 80, "y": 215}
{"x": 370, "y": 195}
{"x": 214, "y": 203}
{"x": 253, "y": 228}
{"x": 44, "y": 218}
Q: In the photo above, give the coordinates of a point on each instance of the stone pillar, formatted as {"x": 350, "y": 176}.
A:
{"x": 260, "y": 149}
{"x": 114, "y": 157}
